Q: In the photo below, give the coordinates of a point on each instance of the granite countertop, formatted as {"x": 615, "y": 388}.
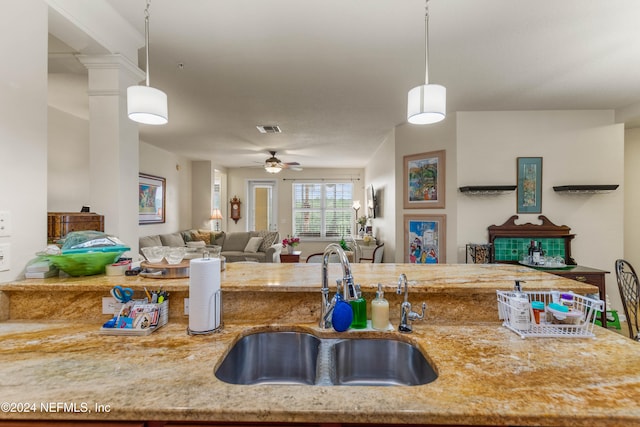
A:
{"x": 302, "y": 277}
{"x": 486, "y": 373}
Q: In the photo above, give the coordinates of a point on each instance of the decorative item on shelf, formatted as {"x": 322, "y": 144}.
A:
{"x": 289, "y": 243}
{"x": 585, "y": 189}
{"x": 235, "y": 209}
{"x": 362, "y": 222}
{"x": 367, "y": 239}
{"x": 146, "y": 104}
{"x": 216, "y": 215}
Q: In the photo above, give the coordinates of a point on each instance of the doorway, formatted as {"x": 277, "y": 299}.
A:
{"x": 262, "y": 205}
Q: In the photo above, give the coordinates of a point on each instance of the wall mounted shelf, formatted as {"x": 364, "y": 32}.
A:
{"x": 585, "y": 189}
{"x": 486, "y": 189}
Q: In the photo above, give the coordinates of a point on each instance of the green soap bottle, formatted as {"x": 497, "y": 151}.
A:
{"x": 359, "y": 307}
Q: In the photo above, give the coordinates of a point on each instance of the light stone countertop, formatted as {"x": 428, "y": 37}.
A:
{"x": 487, "y": 374}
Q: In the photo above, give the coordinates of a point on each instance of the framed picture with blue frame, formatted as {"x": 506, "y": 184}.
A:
{"x": 425, "y": 239}
{"x": 529, "y": 185}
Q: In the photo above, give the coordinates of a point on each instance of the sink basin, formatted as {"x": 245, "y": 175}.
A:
{"x": 271, "y": 358}
{"x": 380, "y": 362}
{"x": 301, "y": 358}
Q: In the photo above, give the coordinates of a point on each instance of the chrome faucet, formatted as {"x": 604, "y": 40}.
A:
{"x": 347, "y": 283}
{"x": 406, "y": 315}
{"x": 357, "y": 251}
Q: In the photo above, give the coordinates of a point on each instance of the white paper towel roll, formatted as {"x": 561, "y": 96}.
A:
{"x": 204, "y": 295}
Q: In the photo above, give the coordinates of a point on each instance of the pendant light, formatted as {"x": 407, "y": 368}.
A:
{"x": 427, "y": 103}
{"x": 146, "y": 104}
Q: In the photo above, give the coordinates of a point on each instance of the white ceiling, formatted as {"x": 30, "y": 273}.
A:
{"x": 334, "y": 74}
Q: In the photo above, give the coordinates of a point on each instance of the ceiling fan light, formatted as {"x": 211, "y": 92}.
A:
{"x": 147, "y": 105}
{"x": 426, "y": 104}
{"x": 272, "y": 166}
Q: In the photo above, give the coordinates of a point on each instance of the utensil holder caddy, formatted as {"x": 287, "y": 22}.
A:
{"x": 163, "y": 318}
{"x": 589, "y": 308}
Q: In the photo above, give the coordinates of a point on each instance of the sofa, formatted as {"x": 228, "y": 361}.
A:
{"x": 258, "y": 246}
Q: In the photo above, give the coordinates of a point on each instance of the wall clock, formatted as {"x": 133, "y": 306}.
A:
{"x": 235, "y": 209}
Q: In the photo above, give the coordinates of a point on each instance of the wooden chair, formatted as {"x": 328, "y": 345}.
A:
{"x": 376, "y": 257}
{"x": 317, "y": 258}
{"x": 630, "y": 295}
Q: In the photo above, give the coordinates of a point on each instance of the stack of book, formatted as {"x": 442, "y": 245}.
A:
{"x": 40, "y": 270}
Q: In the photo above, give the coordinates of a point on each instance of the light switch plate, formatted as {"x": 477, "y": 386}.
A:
{"x": 5, "y": 256}
{"x": 5, "y": 223}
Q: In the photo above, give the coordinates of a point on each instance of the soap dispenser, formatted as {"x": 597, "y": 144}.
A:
{"x": 359, "y": 306}
{"x": 380, "y": 311}
{"x": 520, "y": 312}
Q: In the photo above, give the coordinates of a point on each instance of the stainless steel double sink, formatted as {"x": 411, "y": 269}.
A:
{"x": 302, "y": 358}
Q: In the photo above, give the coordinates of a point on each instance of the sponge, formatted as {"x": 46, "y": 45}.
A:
{"x": 342, "y": 316}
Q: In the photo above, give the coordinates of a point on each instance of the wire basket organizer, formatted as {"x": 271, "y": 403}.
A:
{"x": 582, "y": 329}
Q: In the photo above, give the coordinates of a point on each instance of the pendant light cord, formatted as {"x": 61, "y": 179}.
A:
{"x": 426, "y": 42}
{"x": 146, "y": 38}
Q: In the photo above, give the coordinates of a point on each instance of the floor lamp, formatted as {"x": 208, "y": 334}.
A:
{"x": 216, "y": 215}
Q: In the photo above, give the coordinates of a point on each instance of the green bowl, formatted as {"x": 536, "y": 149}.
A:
{"x": 83, "y": 264}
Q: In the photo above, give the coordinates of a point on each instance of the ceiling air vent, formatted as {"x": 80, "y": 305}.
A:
{"x": 269, "y": 129}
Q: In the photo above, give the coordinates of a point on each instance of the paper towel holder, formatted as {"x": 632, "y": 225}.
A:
{"x": 217, "y": 304}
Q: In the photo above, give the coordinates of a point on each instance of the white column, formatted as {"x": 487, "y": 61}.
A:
{"x": 113, "y": 145}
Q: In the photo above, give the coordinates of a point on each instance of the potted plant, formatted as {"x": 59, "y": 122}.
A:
{"x": 290, "y": 242}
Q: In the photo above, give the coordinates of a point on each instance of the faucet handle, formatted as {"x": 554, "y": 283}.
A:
{"x": 415, "y": 316}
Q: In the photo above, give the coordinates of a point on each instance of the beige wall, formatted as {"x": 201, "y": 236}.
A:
{"x": 68, "y": 162}
{"x": 632, "y": 197}
{"x": 177, "y": 171}
{"x": 238, "y": 178}
{"x": 577, "y": 147}
{"x": 23, "y": 130}
{"x": 380, "y": 172}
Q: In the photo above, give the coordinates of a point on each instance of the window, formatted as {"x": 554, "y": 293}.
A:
{"x": 322, "y": 209}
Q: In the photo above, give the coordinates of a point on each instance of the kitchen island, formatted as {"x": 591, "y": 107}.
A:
{"x": 53, "y": 355}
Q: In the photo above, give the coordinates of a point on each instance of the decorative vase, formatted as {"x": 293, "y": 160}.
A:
{"x": 285, "y": 250}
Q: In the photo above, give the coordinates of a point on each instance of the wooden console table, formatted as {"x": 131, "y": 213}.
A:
{"x": 591, "y": 276}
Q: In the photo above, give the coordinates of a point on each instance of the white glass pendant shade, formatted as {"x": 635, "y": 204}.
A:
{"x": 272, "y": 167}
{"x": 426, "y": 104}
{"x": 147, "y": 105}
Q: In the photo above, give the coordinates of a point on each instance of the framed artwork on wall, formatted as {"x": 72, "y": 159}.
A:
{"x": 151, "y": 199}
{"x": 425, "y": 239}
{"x": 423, "y": 180}
{"x": 529, "y": 185}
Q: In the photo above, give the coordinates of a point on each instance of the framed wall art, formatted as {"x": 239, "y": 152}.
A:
{"x": 425, "y": 239}
{"x": 529, "y": 185}
{"x": 151, "y": 199}
{"x": 423, "y": 180}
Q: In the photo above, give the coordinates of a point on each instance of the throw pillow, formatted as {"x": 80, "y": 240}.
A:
{"x": 205, "y": 237}
{"x": 268, "y": 239}
{"x": 253, "y": 245}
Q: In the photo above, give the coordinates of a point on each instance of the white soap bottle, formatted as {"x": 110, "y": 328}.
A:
{"x": 380, "y": 311}
{"x": 520, "y": 312}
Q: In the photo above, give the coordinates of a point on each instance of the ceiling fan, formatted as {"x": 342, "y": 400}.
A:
{"x": 274, "y": 165}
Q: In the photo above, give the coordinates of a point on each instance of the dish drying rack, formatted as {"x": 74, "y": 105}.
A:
{"x": 583, "y": 329}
